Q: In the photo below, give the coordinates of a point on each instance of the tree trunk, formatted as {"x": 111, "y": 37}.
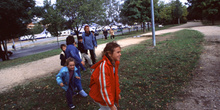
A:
{"x": 178, "y": 20}
{"x": 143, "y": 26}
{"x": 77, "y": 33}
{"x": 2, "y": 55}
{"x": 6, "y": 50}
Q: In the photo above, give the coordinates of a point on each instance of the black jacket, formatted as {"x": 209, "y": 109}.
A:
{"x": 81, "y": 47}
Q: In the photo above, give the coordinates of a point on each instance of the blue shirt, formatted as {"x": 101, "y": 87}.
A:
{"x": 89, "y": 41}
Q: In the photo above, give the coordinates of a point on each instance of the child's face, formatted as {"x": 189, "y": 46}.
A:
{"x": 74, "y": 44}
{"x": 80, "y": 40}
{"x": 71, "y": 66}
{"x": 116, "y": 54}
{"x": 64, "y": 48}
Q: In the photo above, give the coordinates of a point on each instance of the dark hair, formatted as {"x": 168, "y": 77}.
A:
{"x": 68, "y": 60}
{"x": 70, "y": 40}
{"x": 62, "y": 45}
{"x": 85, "y": 27}
{"x": 109, "y": 48}
{"x": 80, "y": 37}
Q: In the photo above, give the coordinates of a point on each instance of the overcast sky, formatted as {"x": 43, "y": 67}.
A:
{"x": 40, "y": 2}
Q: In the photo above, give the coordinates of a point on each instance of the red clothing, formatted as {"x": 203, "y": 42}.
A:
{"x": 104, "y": 84}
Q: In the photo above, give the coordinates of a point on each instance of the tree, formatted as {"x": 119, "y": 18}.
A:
{"x": 52, "y": 18}
{"x": 178, "y": 10}
{"x": 171, "y": 13}
{"x": 204, "y": 9}
{"x": 38, "y": 28}
{"x": 14, "y": 17}
{"x": 137, "y": 11}
{"x": 79, "y": 12}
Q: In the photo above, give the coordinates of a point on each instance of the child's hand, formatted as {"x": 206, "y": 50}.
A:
{"x": 61, "y": 84}
{"x": 77, "y": 77}
{"x": 83, "y": 63}
{"x": 113, "y": 108}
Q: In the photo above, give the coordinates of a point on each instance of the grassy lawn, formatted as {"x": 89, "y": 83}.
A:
{"x": 150, "y": 78}
{"x": 50, "y": 53}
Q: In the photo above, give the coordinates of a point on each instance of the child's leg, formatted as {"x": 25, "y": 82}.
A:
{"x": 87, "y": 58}
{"x": 77, "y": 82}
{"x": 69, "y": 94}
{"x": 92, "y": 53}
{"x": 104, "y": 107}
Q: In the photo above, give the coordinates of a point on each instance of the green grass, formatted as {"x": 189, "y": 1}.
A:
{"x": 30, "y": 58}
{"x": 150, "y": 78}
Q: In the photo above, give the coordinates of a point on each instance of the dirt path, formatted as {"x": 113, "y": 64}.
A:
{"x": 203, "y": 92}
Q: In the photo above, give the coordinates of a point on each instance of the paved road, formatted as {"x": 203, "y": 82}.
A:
{"x": 37, "y": 47}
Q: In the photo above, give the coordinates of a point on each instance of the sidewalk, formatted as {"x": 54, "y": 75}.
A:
{"x": 16, "y": 75}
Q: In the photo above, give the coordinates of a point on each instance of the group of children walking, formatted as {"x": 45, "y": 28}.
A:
{"x": 104, "y": 83}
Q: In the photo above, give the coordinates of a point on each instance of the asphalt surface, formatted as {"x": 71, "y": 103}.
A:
{"x": 45, "y": 47}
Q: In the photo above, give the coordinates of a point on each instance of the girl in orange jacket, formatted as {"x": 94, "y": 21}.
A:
{"x": 104, "y": 83}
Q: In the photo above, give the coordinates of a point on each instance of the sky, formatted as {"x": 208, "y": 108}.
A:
{"x": 40, "y": 2}
{"x": 167, "y": 1}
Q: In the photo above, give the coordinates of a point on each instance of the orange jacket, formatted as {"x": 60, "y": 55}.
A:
{"x": 104, "y": 84}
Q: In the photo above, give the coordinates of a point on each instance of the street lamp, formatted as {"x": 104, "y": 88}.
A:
{"x": 153, "y": 25}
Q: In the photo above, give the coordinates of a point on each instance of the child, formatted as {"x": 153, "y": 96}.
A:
{"x": 65, "y": 78}
{"x": 83, "y": 51}
{"x": 73, "y": 52}
{"x": 62, "y": 54}
{"x": 104, "y": 83}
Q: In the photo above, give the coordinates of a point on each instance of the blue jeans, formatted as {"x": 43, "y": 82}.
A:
{"x": 69, "y": 96}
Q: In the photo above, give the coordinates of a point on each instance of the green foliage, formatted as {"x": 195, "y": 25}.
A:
{"x": 150, "y": 78}
{"x": 204, "y": 9}
{"x": 14, "y": 16}
{"x": 80, "y": 12}
{"x": 38, "y": 28}
{"x": 52, "y": 18}
{"x": 137, "y": 10}
{"x": 171, "y": 12}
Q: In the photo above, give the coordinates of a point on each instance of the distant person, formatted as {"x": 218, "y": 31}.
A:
{"x": 83, "y": 51}
{"x": 73, "y": 52}
{"x": 105, "y": 33}
{"x": 104, "y": 83}
{"x": 13, "y": 46}
{"x": 89, "y": 43}
{"x": 112, "y": 33}
{"x": 62, "y": 55}
{"x": 65, "y": 78}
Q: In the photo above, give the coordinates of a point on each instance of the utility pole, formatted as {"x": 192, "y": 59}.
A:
{"x": 153, "y": 25}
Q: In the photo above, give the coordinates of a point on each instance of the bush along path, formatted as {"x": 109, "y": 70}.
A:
{"x": 150, "y": 78}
